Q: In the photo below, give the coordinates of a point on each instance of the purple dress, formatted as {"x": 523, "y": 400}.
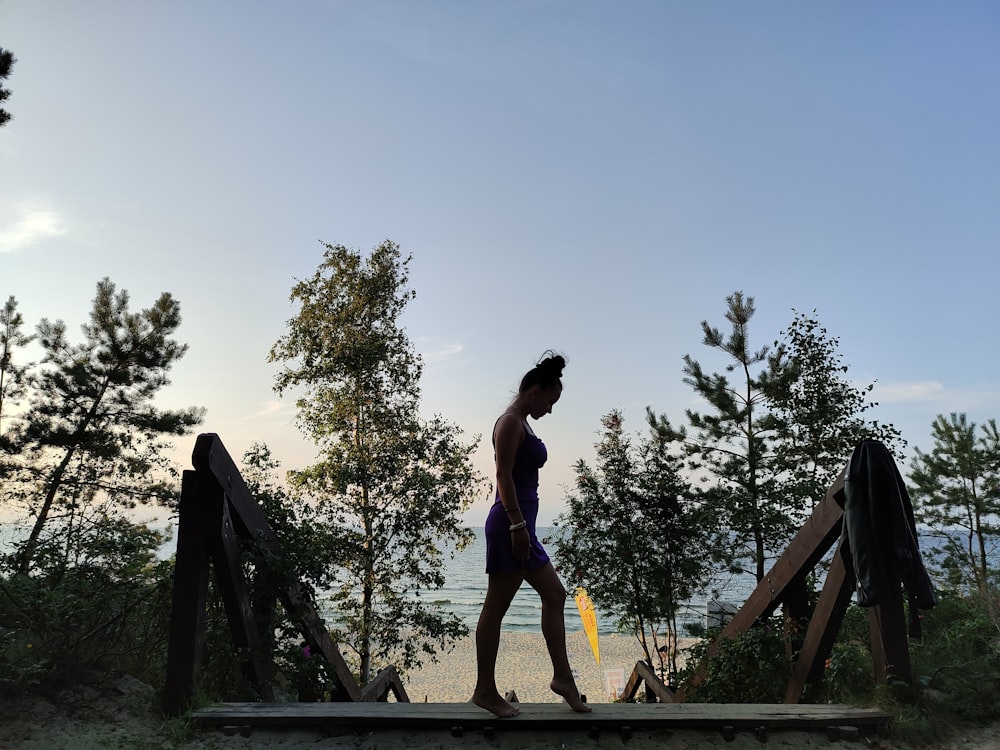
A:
{"x": 530, "y": 457}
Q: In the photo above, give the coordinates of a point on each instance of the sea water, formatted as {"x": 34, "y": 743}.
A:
{"x": 465, "y": 588}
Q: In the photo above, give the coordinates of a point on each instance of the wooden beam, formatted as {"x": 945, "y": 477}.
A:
{"x": 225, "y": 551}
{"x": 187, "y": 611}
{"x": 813, "y": 540}
{"x": 644, "y": 674}
{"x": 823, "y": 628}
{"x": 385, "y": 681}
{"x": 550, "y": 717}
{"x": 211, "y": 456}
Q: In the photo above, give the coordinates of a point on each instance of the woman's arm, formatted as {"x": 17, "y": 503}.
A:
{"x": 507, "y": 436}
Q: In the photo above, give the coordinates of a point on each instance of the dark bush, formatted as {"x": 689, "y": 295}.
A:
{"x": 750, "y": 667}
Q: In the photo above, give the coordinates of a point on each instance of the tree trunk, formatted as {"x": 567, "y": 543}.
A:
{"x": 55, "y": 482}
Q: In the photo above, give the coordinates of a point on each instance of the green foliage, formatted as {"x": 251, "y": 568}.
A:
{"x": 778, "y": 431}
{"x": 389, "y": 487}
{"x": 849, "y": 671}
{"x": 958, "y": 662}
{"x": 306, "y": 677}
{"x": 7, "y": 61}
{"x": 849, "y": 676}
{"x": 90, "y": 434}
{"x": 220, "y": 676}
{"x": 956, "y": 669}
{"x": 749, "y": 667}
{"x": 106, "y": 611}
{"x": 635, "y": 537}
{"x": 819, "y": 412}
{"x": 729, "y": 444}
{"x": 13, "y": 376}
{"x": 81, "y": 446}
{"x": 957, "y": 490}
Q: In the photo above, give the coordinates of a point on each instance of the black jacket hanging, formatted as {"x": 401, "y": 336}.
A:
{"x": 879, "y": 538}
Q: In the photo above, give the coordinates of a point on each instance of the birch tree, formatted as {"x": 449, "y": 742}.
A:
{"x": 389, "y": 485}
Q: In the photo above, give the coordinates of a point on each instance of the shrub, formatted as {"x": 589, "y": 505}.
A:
{"x": 958, "y": 663}
{"x": 750, "y": 667}
{"x": 108, "y": 611}
{"x": 849, "y": 676}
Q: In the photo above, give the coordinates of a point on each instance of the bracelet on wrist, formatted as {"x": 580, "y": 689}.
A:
{"x": 517, "y": 526}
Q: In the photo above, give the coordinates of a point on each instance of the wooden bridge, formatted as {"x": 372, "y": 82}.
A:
{"x": 624, "y": 719}
{"x": 216, "y": 508}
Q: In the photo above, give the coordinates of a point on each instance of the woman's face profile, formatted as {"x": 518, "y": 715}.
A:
{"x": 543, "y": 400}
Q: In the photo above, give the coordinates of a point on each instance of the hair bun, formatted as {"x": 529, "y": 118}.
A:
{"x": 552, "y": 364}
{"x": 546, "y": 373}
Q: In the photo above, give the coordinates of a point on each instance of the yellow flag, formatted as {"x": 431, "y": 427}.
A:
{"x": 589, "y": 617}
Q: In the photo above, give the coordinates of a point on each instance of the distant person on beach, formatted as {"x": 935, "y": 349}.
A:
{"x": 513, "y": 552}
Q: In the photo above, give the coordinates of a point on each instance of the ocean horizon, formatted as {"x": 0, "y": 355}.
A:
{"x": 465, "y": 589}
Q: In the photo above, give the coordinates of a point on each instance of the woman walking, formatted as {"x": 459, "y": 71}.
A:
{"x": 513, "y": 551}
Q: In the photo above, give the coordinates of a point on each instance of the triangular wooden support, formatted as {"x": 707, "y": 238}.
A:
{"x": 656, "y": 690}
{"x": 787, "y": 577}
{"x": 217, "y": 507}
{"x": 784, "y": 585}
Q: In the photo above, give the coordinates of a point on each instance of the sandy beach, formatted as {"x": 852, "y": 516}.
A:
{"x": 523, "y": 666}
{"x": 119, "y": 712}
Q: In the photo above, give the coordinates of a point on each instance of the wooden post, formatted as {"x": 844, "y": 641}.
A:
{"x": 187, "y": 613}
{"x": 887, "y": 627}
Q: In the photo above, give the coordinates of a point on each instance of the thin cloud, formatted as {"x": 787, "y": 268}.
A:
{"x": 269, "y": 409}
{"x": 442, "y": 353}
{"x": 27, "y": 224}
{"x": 897, "y": 393}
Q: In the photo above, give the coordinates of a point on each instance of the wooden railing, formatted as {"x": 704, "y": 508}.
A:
{"x": 216, "y": 510}
{"x": 785, "y": 586}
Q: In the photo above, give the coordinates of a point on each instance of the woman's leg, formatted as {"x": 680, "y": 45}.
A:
{"x": 499, "y": 593}
{"x": 545, "y": 581}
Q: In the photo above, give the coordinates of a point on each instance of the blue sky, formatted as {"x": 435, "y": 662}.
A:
{"x": 594, "y": 177}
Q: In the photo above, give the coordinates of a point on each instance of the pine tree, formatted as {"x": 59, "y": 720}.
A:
{"x": 730, "y": 444}
{"x": 389, "y": 486}
{"x": 7, "y": 61}
{"x": 781, "y": 430}
{"x": 90, "y": 433}
{"x": 957, "y": 489}
{"x": 12, "y": 375}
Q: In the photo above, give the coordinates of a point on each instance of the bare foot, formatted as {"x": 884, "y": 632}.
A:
{"x": 495, "y": 704}
{"x": 567, "y": 689}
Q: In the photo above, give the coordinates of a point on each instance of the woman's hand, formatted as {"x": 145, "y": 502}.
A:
{"x": 520, "y": 542}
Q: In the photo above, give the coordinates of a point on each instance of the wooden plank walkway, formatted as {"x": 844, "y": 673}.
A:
{"x": 548, "y": 716}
